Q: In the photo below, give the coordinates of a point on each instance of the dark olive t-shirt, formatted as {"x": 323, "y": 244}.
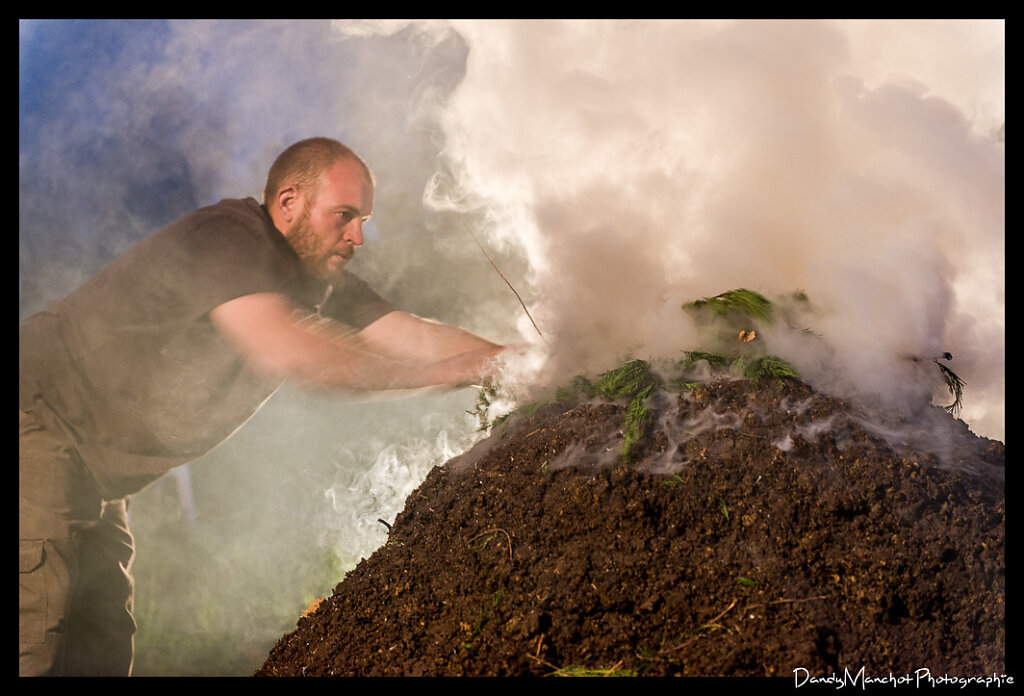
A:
{"x": 130, "y": 368}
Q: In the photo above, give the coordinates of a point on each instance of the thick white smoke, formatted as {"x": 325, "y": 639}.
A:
{"x": 640, "y": 164}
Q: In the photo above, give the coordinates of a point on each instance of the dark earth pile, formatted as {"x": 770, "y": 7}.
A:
{"x": 753, "y": 531}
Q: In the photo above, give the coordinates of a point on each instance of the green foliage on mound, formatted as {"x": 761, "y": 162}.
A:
{"x": 955, "y": 386}
{"x": 634, "y": 381}
{"x": 740, "y": 315}
{"x": 625, "y": 381}
{"x": 739, "y": 301}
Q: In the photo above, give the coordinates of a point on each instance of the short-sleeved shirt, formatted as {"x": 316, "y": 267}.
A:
{"x": 130, "y": 367}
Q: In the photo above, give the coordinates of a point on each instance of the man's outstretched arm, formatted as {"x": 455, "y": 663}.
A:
{"x": 406, "y": 336}
{"x": 398, "y": 351}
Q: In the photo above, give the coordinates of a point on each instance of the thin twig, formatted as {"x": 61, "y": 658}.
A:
{"x": 556, "y": 670}
{"x": 724, "y": 612}
{"x": 786, "y": 601}
{"x": 544, "y": 662}
{"x": 611, "y": 670}
{"x": 697, "y": 635}
{"x": 498, "y": 271}
{"x": 496, "y": 529}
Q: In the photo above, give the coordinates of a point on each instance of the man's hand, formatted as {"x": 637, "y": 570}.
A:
{"x": 398, "y": 351}
{"x": 473, "y": 367}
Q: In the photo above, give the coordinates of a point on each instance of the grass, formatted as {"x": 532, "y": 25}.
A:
{"x": 636, "y": 381}
{"x": 638, "y": 417}
{"x": 483, "y": 617}
{"x": 577, "y": 386}
{"x": 675, "y": 480}
{"x": 715, "y": 360}
{"x": 222, "y": 625}
{"x": 627, "y": 380}
{"x": 739, "y": 301}
{"x": 756, "y": 370}
{"x": 769, "y": 367}
{"x": 723, "y": 508}
{"x": 486, "y": 396}
{"x": 579, "y": 671}
{"x": 669, "y": 649}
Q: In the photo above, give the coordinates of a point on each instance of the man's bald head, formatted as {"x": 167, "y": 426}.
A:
{"x": 302, "y": 164}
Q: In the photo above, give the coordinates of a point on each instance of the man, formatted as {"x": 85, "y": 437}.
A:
{"x": 170, "y": 349}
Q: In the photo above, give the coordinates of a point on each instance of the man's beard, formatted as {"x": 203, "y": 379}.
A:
{"x": 309, "y": 249}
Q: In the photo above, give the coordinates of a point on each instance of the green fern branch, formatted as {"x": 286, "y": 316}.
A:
{"x": 740, "y": 301}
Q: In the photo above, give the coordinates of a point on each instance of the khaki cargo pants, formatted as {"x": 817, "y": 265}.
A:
{"x": 74, "y": 564}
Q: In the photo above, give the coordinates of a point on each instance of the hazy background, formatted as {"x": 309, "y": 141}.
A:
{"x": 613, "y": 170}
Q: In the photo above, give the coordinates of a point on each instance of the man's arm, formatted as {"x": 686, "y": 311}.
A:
{"x": 263, "y": 328}
{"x": 409, "y": 337}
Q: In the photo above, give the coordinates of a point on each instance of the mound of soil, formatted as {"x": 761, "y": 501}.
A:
{"x": 754, "y": 531}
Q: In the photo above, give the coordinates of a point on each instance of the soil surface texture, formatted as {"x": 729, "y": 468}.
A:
{"x": 754, "y": 530}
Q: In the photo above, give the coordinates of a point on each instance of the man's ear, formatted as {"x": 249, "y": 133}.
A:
{"x": 289, "y": 202}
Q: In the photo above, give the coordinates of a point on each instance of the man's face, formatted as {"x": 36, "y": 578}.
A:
{"x": 330, "y": 227}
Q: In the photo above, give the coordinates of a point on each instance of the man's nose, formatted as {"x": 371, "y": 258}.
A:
{"x": 354, "y": 233}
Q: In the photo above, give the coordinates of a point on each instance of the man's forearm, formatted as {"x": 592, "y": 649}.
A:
{"x": 264, "y": 330}
{"x": 407, "y": 336}
{"x": 349, "y": 368}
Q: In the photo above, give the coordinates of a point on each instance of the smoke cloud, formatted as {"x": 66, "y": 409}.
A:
{"x": 614, "y": 170}
{"x": 639, "y": 165}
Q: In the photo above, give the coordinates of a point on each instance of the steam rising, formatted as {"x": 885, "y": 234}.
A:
{"x": 639, "y": 165}
{"x": 615, "y": 171}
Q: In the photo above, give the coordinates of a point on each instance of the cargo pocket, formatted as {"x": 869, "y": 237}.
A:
{"x": 31, "y": 591}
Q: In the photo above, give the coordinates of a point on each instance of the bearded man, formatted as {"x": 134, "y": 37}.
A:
{"x": 170, "y": 349}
